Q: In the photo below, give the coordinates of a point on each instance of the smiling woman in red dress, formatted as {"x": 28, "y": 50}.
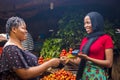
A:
{"x": 96, "y": 50}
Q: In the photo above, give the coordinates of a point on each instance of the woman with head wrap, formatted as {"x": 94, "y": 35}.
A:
{"x": 96, "y": 50}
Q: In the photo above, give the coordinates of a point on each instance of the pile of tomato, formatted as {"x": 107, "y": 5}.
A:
{"x": 65, "y": 53}
{"x": 60, "y": 75}
{"x": 42, "y": 60}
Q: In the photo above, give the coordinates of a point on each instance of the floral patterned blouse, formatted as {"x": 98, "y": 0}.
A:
{"x": 15, "y": 58}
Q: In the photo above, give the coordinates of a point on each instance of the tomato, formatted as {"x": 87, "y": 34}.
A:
{"x": 60, "y": 75}
{"x": 41, "y": 58}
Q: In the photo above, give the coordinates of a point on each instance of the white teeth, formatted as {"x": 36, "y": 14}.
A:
{"x": 87, "y": 29}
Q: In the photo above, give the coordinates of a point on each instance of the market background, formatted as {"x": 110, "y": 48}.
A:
{"x": 57, "y": 25}
{"x": 61, "y": 19}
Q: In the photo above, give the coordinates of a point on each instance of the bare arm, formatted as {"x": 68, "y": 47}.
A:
{"x": 75, "y": 61}
{"x": 37, "y": 70}
{"x": 105, "y": 63}
{"x": 2, "y": 38}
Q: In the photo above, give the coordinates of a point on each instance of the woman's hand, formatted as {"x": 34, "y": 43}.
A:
{"x": 64, "y": 60}
{"x": 83, "y": 56}
{"x": 55, "y": 62}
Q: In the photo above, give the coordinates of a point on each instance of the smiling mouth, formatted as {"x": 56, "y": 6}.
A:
{"x": 87, "y": 29}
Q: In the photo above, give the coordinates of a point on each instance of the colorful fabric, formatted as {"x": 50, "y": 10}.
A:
{"x": 97, "y": 49}
{"x": 94, "y": 72}
{"x": 15, "y": 58}
{"x": 85, "y": 50}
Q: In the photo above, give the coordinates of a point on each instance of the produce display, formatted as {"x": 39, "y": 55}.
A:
{"x": 42, "y": 60}
{"x": 67, "y": 54}
{"x": 51, "y": 48}
{"x": 60, "y": 75}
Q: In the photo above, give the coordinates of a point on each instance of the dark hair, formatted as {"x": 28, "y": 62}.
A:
{"x": 13, "y": 22}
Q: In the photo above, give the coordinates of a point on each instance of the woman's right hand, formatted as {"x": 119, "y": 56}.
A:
{"x": 64, "y": 59}
{"x": 55, "y": 62}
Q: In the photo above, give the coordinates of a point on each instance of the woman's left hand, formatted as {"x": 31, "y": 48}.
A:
{"x": 83, "y": 56}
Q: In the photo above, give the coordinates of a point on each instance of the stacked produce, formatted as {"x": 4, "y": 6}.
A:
{"x": 64, "y": 52}
{"x": 42, "y": 60}
{"x": 67, "y": 54}
{"x": 60, "y": 75}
